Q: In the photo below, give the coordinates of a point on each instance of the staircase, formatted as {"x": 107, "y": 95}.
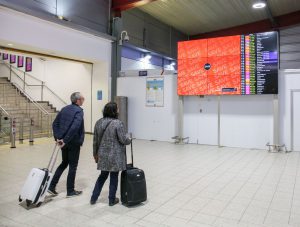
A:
{"x": 15, "y": 104}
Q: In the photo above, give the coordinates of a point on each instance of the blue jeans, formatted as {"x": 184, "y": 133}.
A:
{"x": 113, "y": 185}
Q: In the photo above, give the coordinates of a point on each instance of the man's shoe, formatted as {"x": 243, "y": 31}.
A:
{"x": 52, "y": 192}
{"x": 93, "y": 202}
{"x": 74, "y": 193}
{"x": 114, "y": 202}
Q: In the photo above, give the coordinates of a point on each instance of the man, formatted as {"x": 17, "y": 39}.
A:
{"x": 68, "y": 130}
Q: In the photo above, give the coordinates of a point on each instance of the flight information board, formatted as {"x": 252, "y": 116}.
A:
{"x": 259, "y": 63}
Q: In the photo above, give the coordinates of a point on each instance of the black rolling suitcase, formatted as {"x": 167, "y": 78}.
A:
{"x": 133, "y": 184}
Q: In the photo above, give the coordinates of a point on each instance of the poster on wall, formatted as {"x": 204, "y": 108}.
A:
{"x": 155, "y": 92}
{"x": 5, "y": 56}
{"x": 28, "y": 64}
{"x": 12, "y": 59}
{"x": 99, "y": 95}
{"x": 20, "y": 61}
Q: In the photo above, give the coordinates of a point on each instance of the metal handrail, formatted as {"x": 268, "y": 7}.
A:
{"x": 56, "y": 95}
{"x": 32, "y": 85}
{"x": 5, "y": 112}
{"x": 40, "y": 107}
{"x": 11, "y": 66}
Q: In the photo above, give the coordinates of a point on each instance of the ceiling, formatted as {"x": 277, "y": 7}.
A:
{"x": 201, "y": 16}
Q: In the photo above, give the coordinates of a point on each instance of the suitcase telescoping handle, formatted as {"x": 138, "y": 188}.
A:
{"x": 131, "y": 152}
{"x": 53, "y": 158}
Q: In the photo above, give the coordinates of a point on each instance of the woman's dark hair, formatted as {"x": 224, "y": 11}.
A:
{"x": 111, "y": 110}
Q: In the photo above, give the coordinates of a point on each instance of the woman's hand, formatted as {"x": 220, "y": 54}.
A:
{"x": 96, "y": 158}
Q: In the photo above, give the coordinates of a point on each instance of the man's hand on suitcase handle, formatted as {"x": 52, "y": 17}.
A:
{"x": 60, "y": 143}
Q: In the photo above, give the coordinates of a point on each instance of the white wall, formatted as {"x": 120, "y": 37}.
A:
{"x": 245, "y": 121}
{"x": 33, "y": 34}
{"x": 150, "y": 123}
{"x": 129, "y": 64}
{"x": 288, "y": 80}
{"x": 201, "y": 127}
{"x": 63, "y": 78}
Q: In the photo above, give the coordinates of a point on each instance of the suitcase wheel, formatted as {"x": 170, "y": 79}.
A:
{"x": 28, "y": 202}
{"x": 39, "y": 204}
{"x": 20, "y": 200}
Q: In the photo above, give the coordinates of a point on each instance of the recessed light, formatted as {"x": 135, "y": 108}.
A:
{"x": 10, "y": 44}
{"x": 259, "y": 5}
{"x": 148, "y": 56}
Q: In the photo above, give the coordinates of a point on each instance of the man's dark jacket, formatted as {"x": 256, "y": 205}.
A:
{"x": 69, "y": 125}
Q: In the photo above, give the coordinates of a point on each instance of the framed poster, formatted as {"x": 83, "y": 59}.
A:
{"x": 99, "y": 95}
{"x": 12, "y": 59}
{"x": 28, "y": 64}
{"x": 20, "y": 61}
{"x": 5, "y": 56}
{"x": 155, "y": 91}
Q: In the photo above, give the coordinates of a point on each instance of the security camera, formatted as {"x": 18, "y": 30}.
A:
{"x": 125, "y": 38}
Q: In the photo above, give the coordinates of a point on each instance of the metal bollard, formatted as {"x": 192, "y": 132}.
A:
{"x": 31, "y": 132}
{"x": 21, "y": 132}
{"x": 49, "y": 125}
{"x": 13, "y": 133}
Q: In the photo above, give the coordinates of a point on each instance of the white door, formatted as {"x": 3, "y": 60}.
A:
{"x": 296, "y": 107}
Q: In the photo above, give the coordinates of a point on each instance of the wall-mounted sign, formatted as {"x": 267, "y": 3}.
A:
{"x": 155, "y": 92}
{"x": 143, "y": 73}
{"x": 99, "y": 95}
{"x": 28, "y": 64}
{"x": 5, "y": 56}
{"x": 20, "y": 61}
{"x": 12, "y": 59}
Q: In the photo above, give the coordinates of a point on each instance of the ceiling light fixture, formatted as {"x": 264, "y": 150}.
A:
{"x": 10, "y": 44}
{"x": 148, "y": 56}
{"x": 259, "y": 4}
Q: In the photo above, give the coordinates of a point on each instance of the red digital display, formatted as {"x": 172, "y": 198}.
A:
{"x": 209, "y": 66}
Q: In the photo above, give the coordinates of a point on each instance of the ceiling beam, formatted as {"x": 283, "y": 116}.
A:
{"x": 270, "y": 15}
{"x": 259, "y": 26}
{"x": 121, "y": 5}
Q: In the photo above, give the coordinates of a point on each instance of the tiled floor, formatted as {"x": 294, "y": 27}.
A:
{"x": 188, "y": 185}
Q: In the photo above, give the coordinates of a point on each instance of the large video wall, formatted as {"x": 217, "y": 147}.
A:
{"x": 233, "y": 65}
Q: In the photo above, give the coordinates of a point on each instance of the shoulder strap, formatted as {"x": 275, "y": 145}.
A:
{"x": 105, "y": 130}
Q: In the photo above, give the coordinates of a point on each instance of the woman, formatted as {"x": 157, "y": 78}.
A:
{"x": 110, "y": 139}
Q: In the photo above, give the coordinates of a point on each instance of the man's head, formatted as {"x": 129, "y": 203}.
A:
{"x": 77, "y": 98}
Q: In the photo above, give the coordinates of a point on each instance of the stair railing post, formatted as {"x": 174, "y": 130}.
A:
{"x": 31, "y": 131}
{"x": 21, "y": 132}
{"x": 48, "y": 128}
{"x": 16, "y": 95}
{"x": 10, "y": 73}
{"x": 13, "y": 132}
{"x": 42, "y": 91}
{"x": 24, "y": 81}
{"x": 3, "y": 91}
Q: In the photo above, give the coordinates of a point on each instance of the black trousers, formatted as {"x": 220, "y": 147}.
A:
{"x": 70, "y": 156}
{"x": 113, "y": 185}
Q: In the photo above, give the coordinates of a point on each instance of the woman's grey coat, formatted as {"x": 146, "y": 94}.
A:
{"x": 111, "y": 151}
